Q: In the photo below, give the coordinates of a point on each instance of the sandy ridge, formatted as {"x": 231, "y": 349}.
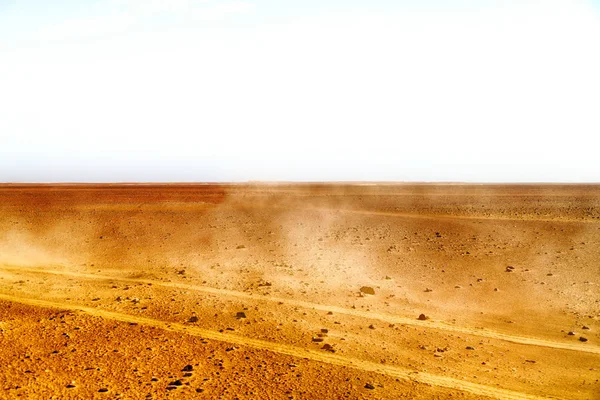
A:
{"x": 446, "y": 216}
{"x": 396, "y": 372}
{"x": 429, "y": 324}
{"x": 194, "y": 206}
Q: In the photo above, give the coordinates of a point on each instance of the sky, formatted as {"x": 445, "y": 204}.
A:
{"x": 312, "y": 90}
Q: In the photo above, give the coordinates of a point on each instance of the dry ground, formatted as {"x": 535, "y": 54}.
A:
{"x": 111, "y": 291}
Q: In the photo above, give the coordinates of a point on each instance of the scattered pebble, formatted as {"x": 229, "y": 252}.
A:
{"x": 369, "y": 386}
{"x": 423, "y": 317}
{"x": 240, "y": 315}
{"x": 582, "y": 339}
{"x": 470, "y": 348}
{"x": 188, "y": 368}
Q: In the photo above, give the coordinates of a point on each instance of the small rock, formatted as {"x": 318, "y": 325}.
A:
{"x": 582, "y": 339}
{"x": 371, "y": 326}
{"x": 427, "y": 290}
{"x": 324, "y": 330}
{"x": 70, "y": 386}
{"x": 328, "y": 347}
{"x": 470, "y": 348}
{"x": 317, "y": 339}
{"x": 176, "y": 383}
{"x": 188, "y": 368}
{"x": 585, "y": 327}
{"x": 193, "y": 319}
{"x": 241, "y": 246}
{"x": 423, "y": 317}
{"x": 103, "y": 390}
{"x": 170, "y": 387}
{"x": 571, "y": 333}
{"x": 369, "y": 386}
{"x": 367, "y": 290}
{"x": 510, "y": 268}
{"x": 240, "y": 315}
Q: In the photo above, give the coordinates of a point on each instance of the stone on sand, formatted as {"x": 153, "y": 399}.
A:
{"x": 367, "y": 290}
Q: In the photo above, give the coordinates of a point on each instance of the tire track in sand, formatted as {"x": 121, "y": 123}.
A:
{"x": 388, "y": 318}
{"x": 315, "y": 355}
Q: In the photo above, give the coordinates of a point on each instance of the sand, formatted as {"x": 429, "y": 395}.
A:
{"x": 300, "y": 291}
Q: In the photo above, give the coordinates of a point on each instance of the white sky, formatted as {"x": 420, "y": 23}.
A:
{"x": 125, "y": 90}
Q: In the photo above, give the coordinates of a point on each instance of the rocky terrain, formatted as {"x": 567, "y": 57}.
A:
{"x": 292, "y": 291}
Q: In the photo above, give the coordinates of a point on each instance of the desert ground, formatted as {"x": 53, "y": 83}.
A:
{"x": 300, "y": 291}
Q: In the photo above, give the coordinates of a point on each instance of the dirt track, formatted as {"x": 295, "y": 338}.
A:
{"x": 184, "y": 260}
